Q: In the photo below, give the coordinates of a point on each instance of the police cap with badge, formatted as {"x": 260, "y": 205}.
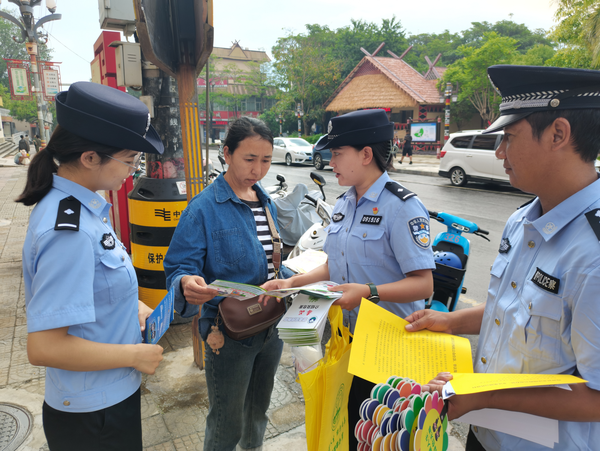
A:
{"x": 107, "y": 116}
{"x": 531, "y": 89}
{"x": 359, "y": 128}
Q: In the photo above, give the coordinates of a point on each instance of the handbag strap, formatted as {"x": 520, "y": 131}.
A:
{"x": 275, "y": 240}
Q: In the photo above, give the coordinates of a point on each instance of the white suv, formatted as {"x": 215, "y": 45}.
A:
{"x": 470, "y": 156}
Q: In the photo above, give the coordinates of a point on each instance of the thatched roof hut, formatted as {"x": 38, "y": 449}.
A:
{"x": 385, "y": 82}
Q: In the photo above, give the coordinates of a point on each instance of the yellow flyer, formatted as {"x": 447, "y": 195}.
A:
{"x": 382, "y": 347}
{"x": 465, "y": 384}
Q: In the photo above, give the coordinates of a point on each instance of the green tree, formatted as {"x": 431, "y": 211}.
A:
{"x": 576, "y": 34}
{"x": 368, "y": 35}
{"x": 306, "y": 74}
{"x": 14, "y": 50}
{"x": 470, "y": 73}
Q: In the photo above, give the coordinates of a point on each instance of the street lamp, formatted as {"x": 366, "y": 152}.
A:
{"x": 31, "y": 36}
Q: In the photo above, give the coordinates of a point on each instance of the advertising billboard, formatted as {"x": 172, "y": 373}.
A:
{"x": 424, "y": 131}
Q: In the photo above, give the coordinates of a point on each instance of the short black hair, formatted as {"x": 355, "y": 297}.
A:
{"x": 245, "y": 127}
{"x": 585, "y": 129}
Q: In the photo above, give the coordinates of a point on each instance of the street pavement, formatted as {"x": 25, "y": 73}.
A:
{"x": 174, "y": 400}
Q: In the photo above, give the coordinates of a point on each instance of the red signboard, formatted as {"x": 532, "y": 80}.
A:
{"x": 19, "y": 79}
{"x": 214, "y": 83}
{"x": 50, "y": 78}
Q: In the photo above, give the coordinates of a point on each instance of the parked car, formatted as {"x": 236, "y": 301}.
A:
{"x": 470, "y": 156}
{"x": 292, "y": 150}
{"x": 321, "y": 158}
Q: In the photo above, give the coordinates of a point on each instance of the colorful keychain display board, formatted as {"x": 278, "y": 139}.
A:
{"x": 399, "y": 416}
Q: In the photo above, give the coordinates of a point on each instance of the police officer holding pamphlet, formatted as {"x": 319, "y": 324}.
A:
{"x": 542, "y": 314}
{"x": 378, "y": 243}
{"x": 84, "y": 319}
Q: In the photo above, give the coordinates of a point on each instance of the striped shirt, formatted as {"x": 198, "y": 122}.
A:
{"x": 263, "y": 233}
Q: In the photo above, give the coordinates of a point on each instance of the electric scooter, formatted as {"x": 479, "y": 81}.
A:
{"x": 451, "y": 253}
{"x": 314, "y": 237}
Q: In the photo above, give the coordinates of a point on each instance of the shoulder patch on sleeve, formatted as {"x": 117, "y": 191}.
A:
{"x": 593, "y": 218}
{"x": 69, "y": 212}
{"x": 398, "y": 190}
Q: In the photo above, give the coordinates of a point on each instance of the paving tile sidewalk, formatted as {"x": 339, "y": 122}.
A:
{"x": 174, "y": 400}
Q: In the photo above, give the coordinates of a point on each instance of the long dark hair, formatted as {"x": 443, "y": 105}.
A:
{"x": 65, "y": 148}
{"x": 243, "y": 128}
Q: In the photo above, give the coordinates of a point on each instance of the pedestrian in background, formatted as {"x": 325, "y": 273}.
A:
{"x": 84, "y": 319}
{"x": 37, "y": 142}
{"x": 24, "y": 144}
{"x": 378, "y": 241}
{"x": 542, "y": 309}
{"x": 407, "y": 148}
{"x": 223, "y": 234}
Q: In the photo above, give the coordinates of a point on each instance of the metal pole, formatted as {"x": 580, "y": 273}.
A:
{"x": 448, "y": 95}
{"x": 40, "y": 104}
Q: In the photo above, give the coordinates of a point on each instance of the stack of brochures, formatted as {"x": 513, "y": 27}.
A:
{"x": 304, "y": 322}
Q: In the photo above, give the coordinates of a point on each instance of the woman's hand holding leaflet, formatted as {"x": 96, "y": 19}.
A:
{"x": 196, "y": 291}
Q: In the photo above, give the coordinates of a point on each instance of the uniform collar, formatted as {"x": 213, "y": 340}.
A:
{"x": 374, "y": 190}
{"x": 94, "y": 202}
{"x": 556, "y": 219}
{"x": 223, "y": 191}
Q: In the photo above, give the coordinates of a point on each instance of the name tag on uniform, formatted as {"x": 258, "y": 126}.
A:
{"x": 546, "y": 281}
{"x": 370, "y": 219}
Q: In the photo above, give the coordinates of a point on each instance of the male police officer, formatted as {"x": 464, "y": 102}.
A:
{"x": 543, "y": 309}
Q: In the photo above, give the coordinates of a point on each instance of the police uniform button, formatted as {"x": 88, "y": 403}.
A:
{"x": 530, "y": 306}
{"x": 122, "y": 258}
{"x": 497, "y": 322}
{"x": 104, "y": 220}
{"x": 66, "y": 403}
{"x": 513, "y": 284}
{"x": 531, "y": 244}
{"x": 342, "y": 253}
{"x": 343, "y": 278}
{"x": 346, "y": 229}
{"x": 364, "y": 235}
{"x": 483, "y": 360}
{"x": 475, "y": 429}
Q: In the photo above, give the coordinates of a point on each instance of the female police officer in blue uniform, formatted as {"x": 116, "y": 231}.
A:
{"x": 378, "y": 243}
{"x": 84, "y": 319}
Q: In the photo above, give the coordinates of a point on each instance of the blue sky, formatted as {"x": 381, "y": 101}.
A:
{"x": 257, "y": 24}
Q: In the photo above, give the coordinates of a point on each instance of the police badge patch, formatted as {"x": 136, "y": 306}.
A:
{"x": 419, "y": 230}
{"x": 337, "y": 217}
{"x": 108, "y": 241}
{"x": 504, "y": 246}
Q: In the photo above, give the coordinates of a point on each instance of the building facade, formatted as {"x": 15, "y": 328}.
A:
{"x": 236, "y": 86}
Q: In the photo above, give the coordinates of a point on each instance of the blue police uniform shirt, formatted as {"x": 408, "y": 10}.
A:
{"x": 542, "y": 309}
{"x": 379, "y": 240}
{"x": 83, "y": 280}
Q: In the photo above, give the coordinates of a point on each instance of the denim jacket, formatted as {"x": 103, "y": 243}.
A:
{"x": 216, "y": 239}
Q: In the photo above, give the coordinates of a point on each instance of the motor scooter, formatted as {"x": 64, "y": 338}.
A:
{"x": 314, "y": 237}
{"x": 451, "y": 253}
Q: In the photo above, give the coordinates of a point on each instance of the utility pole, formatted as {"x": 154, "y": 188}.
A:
{"x": 31, "y": 36}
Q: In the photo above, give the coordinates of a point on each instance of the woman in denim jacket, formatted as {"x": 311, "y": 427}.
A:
{"x": 222, "y": 234}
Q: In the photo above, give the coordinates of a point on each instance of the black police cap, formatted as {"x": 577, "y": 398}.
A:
{"x": 358, "y": 128}
{"x": 107, "y": 116}
{"x": 531, "y": 89}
